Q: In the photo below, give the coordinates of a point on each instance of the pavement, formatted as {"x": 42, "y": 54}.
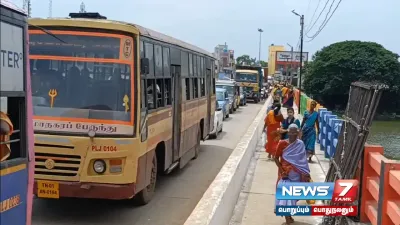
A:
{"x": 255, "y": 205}
{"x": 177, "y": 194}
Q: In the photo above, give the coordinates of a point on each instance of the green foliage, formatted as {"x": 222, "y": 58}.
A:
{"x": 245, "y": 60}
{"x": 328, "y": 76}
{"x": 263, "y": 63}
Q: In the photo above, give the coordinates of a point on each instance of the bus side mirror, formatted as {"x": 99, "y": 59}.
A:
{"x": 144, "y": 66}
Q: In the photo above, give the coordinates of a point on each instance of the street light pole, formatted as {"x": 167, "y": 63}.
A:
{"x": 291, "y": 62}
{"x": 259, "y": 47}
{"x": 301, "y": 51}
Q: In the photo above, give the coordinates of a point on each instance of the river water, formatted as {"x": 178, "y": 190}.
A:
{"x": 386, "y": 134}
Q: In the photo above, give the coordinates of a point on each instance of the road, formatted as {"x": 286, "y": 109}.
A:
{"x": 176, "y": 194}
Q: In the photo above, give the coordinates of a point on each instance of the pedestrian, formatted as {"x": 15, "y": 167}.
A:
{"x": 275, "y": 102}
{"x": 6, "y": 129}
{"x": 291, "y": 159}
{"x": 288, "y": 99}
{"x": 308, "y": 125}
{"x": 284, "y": 92}
{"x": 272, "y": 123}
{"x": 287, "y": 122}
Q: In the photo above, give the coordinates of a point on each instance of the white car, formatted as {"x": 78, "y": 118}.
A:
{"x": 218, "y": 124}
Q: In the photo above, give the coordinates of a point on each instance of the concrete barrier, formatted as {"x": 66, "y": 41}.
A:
{"x": 218, "y": 202}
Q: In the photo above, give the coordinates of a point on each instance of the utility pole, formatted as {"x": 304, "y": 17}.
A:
{"x": 291, "y": 62}
{"x": 259, "y": 47}
{"x": 301, "y": 51}
{"x": 50, "y": 8}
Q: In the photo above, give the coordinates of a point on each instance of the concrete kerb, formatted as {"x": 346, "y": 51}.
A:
{"x": 218, "y": 202}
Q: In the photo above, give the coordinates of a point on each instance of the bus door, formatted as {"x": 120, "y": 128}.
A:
{"x": 15, "y": 140}
{"x": 176, "y": 110}
{"x": 210, "y": 121}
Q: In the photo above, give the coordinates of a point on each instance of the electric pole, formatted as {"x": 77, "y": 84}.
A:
{"x": 259, "y": 47}
{"x": 50, "y": 8}
{"x": 291, "y": 62}
{"x": 301, "y": 51}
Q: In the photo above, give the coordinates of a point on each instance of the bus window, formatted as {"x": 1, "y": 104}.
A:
{"x": 148, "y": 49}
{"x": 195, "y": 88}
{"x": 187, "y": 88}
{"x": 151, "y": 94}
{"x": 159, "y": 88}
{"x": 90, "y": 84}
{"x": 167, "y": 91}
{"x": 12, "y": 122}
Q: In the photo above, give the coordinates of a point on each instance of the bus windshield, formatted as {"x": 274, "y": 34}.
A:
{"x": 243, "y": 77}
{"x": 82, "y": 77}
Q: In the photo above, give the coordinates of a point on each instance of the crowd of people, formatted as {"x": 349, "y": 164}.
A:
{"x": 289, "y": 141}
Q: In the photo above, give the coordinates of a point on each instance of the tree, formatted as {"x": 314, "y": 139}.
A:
{"x": 245, "y": 60}
{"x": 328, "y": 76}
{"x": 263, "y": 63}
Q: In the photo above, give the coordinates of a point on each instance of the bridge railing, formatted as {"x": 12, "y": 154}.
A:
{"x": 379, "y": 177}
{"x": 380, "y": 188}
{"x": 330, "y": 125}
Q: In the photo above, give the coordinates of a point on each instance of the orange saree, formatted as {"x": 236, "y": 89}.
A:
{"x": 273, "y": 123}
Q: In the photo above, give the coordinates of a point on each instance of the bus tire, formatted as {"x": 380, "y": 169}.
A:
{"x": 145, "y": 195}
{"x": 197, "y": 146}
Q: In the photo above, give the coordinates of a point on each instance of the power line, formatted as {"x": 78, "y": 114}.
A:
{"x": 315, "y": 11}
{"x": 326, "y": 17}
{"x": 323, "y": 25}
{"x": 320, "y": 14}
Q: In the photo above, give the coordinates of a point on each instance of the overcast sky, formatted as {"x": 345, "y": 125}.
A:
{"x": 206, "y": 23}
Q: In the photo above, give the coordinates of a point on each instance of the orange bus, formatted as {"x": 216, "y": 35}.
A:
{"x": 115, "y": 104}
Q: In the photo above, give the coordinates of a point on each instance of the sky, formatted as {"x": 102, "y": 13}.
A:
{"x": 207, "y": 23}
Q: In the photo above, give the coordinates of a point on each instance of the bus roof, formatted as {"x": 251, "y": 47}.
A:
{"x": 117, "y": 26}
{"x": 12, "y": 6}
{"x": 247, "y": 71}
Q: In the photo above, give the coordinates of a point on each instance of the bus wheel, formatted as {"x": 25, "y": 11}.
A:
{"x": 197, "y": 147}
{"x": 145, "y": 195}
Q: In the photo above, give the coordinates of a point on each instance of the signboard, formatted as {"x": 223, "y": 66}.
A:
{"x": 11, "y": 58}
{"x": 286, "y": 56}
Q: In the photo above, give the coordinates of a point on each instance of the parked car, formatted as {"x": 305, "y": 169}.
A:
{"x": 218, "y": 124}
{"x": 229, "y": 86}
{"x": 223, "y": 102}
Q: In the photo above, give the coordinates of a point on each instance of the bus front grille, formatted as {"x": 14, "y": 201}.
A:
{"x": 57, "y": 164}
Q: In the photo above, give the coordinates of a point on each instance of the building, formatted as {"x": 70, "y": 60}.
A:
{"x": 272, "y": 57}
{"x": 288, "y": 63}
{"x": 225, "y": 59}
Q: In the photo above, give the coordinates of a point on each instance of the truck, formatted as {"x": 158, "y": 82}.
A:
{"x": 251, "y": 78}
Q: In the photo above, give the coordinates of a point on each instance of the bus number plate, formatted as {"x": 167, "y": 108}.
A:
{"x": 48, "y": 189}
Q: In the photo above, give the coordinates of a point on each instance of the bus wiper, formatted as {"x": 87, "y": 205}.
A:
{"x": 48, "y": 32}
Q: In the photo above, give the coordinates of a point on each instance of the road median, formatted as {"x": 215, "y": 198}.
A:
{"x": 218, "y": 202}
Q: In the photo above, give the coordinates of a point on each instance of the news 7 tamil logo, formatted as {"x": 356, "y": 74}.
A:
{"x": 342, "y": 191}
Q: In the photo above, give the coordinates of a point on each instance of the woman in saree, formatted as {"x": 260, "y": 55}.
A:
{"x": 285, "y": 90}
{"x": 291, "y": 159}
{"x": 273, "y": 123}
{"x": 6, "y": 129}
{"x": 310, "y": 121}
{"x": 288, "y": 98}
{"x": 287, "y": 122}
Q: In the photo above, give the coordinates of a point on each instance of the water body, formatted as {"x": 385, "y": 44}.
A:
{"x": 386, "y": 134}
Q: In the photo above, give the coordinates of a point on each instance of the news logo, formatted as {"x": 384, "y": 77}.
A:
{"x": 346, "y": 191}
{"x": 304, "y": 191}
{"x": 342, "y": 191}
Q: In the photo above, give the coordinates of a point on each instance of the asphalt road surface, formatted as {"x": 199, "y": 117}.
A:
{"x": 176, "y": 194}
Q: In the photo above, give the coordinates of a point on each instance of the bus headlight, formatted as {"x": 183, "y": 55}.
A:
{"x": 99, "y": 166}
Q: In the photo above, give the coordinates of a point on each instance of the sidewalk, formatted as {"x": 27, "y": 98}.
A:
{"x": 259, "y": 200}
